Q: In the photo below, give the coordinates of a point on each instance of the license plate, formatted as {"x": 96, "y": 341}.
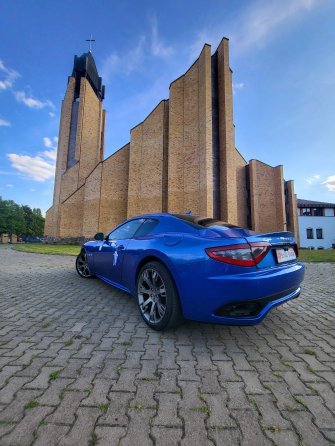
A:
{"x": 285, "y": 255}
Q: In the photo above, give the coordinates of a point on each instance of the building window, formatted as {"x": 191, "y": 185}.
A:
{"x": 317, "y": 212}
{"x": 309, "y": 233}
{"x": 306, "y": 212}
{"x": 319, "y": 233}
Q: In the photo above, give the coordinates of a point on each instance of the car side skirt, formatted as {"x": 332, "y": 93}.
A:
{"x": 115, "y": 284}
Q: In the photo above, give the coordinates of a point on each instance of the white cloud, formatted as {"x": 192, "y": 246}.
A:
{"x": 256, "y": 25}
{"x": 262, "y": 20}
{"x": 5, "y": 172}
{"x": 51, "y": 154}
{"x": 47, "y": 142}
{"x": 4, "y": 123}
{"x": 136, "y": 57}
{"x": 52, "y": 114}
{"x": 330, "y": 183}
{"x": 9, "y": 185}
{"x": 31, "y": 102}
{"x": 313, "y": 179}
{"x": 127, "y": 62}
{"x": 38, "y": 168}
{"x": 34, "y": 167}
{"x": 237, "y": 86}
{"x": 157, "y": 46}
{"x": 9, "y": 76}
{"x": 143, "y": 101}
{"x": 50, "y": 144}
{"x": 210, "y": 36}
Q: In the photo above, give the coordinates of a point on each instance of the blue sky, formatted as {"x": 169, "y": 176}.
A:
{"x": 281, "y": 52}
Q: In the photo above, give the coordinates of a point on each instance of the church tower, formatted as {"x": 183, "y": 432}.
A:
{"x": 181, "y": 157}
{"x": 81, "y": 136}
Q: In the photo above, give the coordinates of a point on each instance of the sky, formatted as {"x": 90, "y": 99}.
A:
{"x": 281, "y": 54}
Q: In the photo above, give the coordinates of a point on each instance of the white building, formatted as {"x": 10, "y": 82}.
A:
{"x": 316, "y": 224}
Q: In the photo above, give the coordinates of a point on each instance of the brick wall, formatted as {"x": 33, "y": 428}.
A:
{"x": 267, "y": 197}
{"x": 88, "y": 153}
{"x": 146, "y": 170}
{"x": 53, "y": 217}
{"x": 114, "y": 190}
{"x": 90, "y": 124}
{"x": 92, "y": 202}
{"x": 233, "y": 205}
{"x": 241, "y": 190}
{"x": 292, "y": 210}
{"x": 175, "y": 199}
{"x": 190, "y": 184}
{"x": 72, "y": 212}
{"x": 69, "y": 183}
{"x": 50, "y": 226}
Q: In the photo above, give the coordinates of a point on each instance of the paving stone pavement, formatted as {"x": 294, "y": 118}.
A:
{"x": 79, "y": 367}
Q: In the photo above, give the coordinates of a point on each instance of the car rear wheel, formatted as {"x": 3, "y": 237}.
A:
{"x": 157, "y": 297}
{"x": 82, "y": 266}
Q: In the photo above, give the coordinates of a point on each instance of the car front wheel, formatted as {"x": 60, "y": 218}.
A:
{"x": 82, "y": 266}
{"x": 157, "y": 297}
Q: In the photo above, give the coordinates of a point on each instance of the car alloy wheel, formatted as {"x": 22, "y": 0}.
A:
{"x": 152, "y": 296}
{"x": 157, "y": 297}
{"x": 81, "y": 265}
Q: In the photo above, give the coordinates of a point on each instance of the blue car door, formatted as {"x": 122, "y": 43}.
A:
{"x": 109, "y": 257}
{"x": 107, "y": 260}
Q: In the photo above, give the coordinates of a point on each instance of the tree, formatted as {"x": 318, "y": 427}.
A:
{"x": 3, "y": 217}
{"x": 38, "y": 222}
{"x": 20, "y": 220}
{"x": 28, "y": 217}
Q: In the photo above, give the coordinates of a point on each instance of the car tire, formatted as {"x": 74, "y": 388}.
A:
{"x": 157, "y": 297}
{"x": 82, "y": 266}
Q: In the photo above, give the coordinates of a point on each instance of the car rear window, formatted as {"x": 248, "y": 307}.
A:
{"x": 146, "y": 228}
{"x": 201, "y": 223}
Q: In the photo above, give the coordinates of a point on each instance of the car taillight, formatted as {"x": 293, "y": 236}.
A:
{"x": 259, "y": 250}
{"x": 246, "y": 254}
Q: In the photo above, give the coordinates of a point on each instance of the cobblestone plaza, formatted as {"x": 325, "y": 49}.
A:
{"x": 79, "y": 367}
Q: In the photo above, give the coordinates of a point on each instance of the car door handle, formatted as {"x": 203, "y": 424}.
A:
{"x": 119, "y": 248}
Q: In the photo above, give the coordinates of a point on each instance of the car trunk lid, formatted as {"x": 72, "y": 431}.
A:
{"x": 282, "y": 250}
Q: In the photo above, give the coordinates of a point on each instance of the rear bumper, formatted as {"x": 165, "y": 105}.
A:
{"x": 260, "y": 315}
{"x": 207, "y": 297}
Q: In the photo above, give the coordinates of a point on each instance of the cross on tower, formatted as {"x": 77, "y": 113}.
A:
{"x": 90, "y": 40}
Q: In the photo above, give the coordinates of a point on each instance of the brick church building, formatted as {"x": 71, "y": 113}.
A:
{"x": 181, "y": 158}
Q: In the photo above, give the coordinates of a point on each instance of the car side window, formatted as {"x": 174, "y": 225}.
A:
{"x": 146, "y": 228}
{"x": 127, "y": 230}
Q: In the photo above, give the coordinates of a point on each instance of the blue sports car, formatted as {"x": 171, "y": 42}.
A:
{"x": 182, "y": 266}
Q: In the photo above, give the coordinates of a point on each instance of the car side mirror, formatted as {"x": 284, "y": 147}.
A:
{"x": 99, "y": 236}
